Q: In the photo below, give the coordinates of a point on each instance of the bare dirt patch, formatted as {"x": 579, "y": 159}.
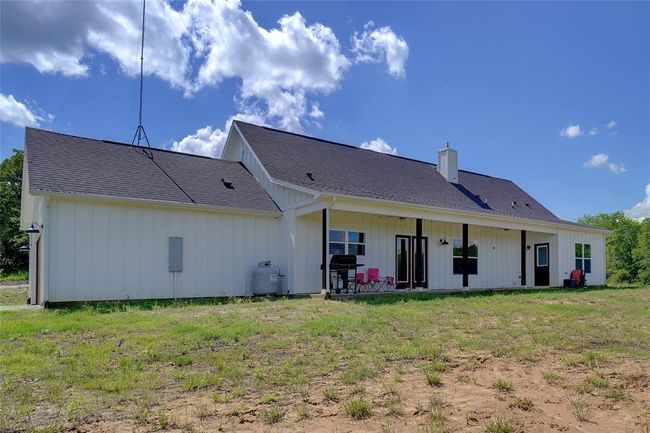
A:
{"x": 400, "y": 400}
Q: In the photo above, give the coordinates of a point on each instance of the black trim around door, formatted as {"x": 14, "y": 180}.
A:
{"x": 542, "y": 268}
{"x": 405, "y": 253}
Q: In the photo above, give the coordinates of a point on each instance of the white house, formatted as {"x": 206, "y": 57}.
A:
{"x": 101, "y": 215}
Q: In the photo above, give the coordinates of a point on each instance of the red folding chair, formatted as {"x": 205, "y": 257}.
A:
{"x": 374, "y": 280}
{"x": 379, "y": 283}
{"x": 361, "y": 283}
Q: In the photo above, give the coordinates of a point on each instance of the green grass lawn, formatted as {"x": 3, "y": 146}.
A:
{"x": 13, "y": 296}
{"x": 66, "y": 366}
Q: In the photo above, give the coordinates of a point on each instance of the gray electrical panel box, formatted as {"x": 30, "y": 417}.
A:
{"x": 175, "y": 254}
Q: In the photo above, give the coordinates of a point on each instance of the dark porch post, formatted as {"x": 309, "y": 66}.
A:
{"x": 523, "y": 257}
{"x": 323, "y": 265}
{"x": 419, "y": 272}
{"x": 465, "y": 255}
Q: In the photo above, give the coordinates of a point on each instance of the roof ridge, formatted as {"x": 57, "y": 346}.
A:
{"x": 337, "y": 143}
{"x": 120, "y": 143}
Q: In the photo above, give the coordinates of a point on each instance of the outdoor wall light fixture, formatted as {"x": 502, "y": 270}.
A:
{"x": 444, "y": 242}
{"x": 24, "y": 249}
{"x": 35, "y": 228}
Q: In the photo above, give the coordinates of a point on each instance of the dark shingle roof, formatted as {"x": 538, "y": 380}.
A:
{"x": 60, "y": 163}
{"x": 344, "y": 169}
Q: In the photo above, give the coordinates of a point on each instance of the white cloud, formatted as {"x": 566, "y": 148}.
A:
{"x": 58, "y": 37}
{"x": 571, "y": 131}
{"x": 280, "y": 69}
{"x": 17, "y": 113}
{"x": 376, "y": 44}
{"x": 593, "y": 131}
{"x": 379, "y": 145}
{"x": 205, "y": 141}
{"x": 611, "y": 124}
{"x": 210, "y": 141}
{"x": 641, "y": 210}
{"x": 601, "y": 160}
{"x": 315, "y": 112}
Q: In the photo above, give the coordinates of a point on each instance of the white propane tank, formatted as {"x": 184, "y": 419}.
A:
{"x": 266, "y": 279}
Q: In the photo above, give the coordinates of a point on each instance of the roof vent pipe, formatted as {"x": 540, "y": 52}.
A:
{"x": 448, "y": 163}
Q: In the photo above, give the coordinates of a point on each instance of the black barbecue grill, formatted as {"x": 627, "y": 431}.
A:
{"x": 340, "y": 265}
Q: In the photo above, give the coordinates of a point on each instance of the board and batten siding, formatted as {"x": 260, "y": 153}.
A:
{"x": 237, "y": 150}
{"x": 499, "y": 250}
{"x": 102, "y": 251}
{"x": 566, "y": 240}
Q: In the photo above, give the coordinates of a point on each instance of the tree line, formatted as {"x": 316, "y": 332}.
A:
{"x": 628, "y": 246}
{"x": 11, "y": 237}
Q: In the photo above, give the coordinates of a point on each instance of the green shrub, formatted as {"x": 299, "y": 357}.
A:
{"x": 358, "y": 408}
{"x": 503, "y": 385}
{"x": 433, "y": 378}
{"x": 272, "y": 415}
{"x": 500, "y": 425}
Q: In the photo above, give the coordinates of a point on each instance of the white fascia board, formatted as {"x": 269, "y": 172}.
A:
{"x": 290, "y": 185}
{"x": 312, "y": 206}
{"x": 226, "y": 147}
{"x": 153, "y": 203}
{"x": 386, "y": 207}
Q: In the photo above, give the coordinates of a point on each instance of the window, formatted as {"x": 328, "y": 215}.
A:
{"x": 337, "y": 242}
{"x": 542, "y": 255}
{"x": 472, "y": 257}
{"x": 583, "y": 257}
{"x": 357, "y": 243}
{"x": 351, "y": 242}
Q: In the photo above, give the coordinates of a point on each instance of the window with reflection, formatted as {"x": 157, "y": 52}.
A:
{"x": 347, "y": 242}
{"x": 583, "y": 257}
{"x": 472, "y": 256}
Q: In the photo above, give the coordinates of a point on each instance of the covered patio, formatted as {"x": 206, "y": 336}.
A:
{"x": 422, "y": 249}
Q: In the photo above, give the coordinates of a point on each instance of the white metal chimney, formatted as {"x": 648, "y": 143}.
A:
{"x": 448, "y": 163}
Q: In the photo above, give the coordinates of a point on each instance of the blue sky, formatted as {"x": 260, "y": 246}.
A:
{"x": 500, "y": 81}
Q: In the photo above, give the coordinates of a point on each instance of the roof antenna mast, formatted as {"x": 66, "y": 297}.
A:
{"x": 140, "y": 133}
